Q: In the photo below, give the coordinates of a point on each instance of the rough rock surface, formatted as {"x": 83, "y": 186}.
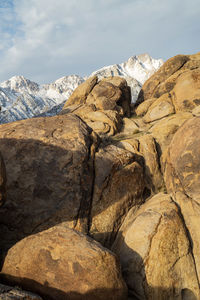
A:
{"x": 3, "y": 181}
{"x": 153, "y": 176}
{"x": 157, "y": 262}
{"x": 50, "y": 175}
{"x": 101, "y": 104}
{"x": 182, "y": 175}
{"x": 169, "y": 68}
{"x": 118, "y": 185}
{"x": 109, "y": 187}
{"x": 61, "y": 263}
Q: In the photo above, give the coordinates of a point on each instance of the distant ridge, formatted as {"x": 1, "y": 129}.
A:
{"x": 21, "y": 98}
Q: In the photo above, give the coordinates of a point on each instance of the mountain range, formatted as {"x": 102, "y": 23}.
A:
{"x": 21, "y": 98}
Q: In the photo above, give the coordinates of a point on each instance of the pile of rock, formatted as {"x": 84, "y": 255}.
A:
{"x": 103, "y": 202}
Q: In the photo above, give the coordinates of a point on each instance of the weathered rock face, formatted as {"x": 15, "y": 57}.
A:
{"x": 174, "y": 87}
{"x": 50, "y": 175}
{"x": 61, "y": 263}
{"x": 150, "y": 87}
{"x": 3, "y": 180}
{"x": 186, "y": 93}
{"x": 80, "y": 94}
{"x": 182, "y": 172}
{"x": 156, "y": 258}
{"x": 60, "y": 172}
{"x": 153, "y": 177}
{"x": 101, "y": 104}
{"x": 118, "y": 186}
{"x": 182, "y": 175}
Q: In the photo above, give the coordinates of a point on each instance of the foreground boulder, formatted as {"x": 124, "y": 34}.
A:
{"x": 182, "y": 177}
{"x": 49, "y": 164}
{"x": 61, "y": 263}
{"x": 155, "y": 253}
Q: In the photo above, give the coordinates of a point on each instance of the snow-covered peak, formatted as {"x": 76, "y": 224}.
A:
{"x": 141, "y": 67}
{"x": 20, "y": 84}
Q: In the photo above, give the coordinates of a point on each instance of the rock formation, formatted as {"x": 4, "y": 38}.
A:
{"x": 21, "y": 98}
{"x": 104, "y": 196}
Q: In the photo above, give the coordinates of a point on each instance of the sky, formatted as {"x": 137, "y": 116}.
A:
{"x": 44, "y": 40}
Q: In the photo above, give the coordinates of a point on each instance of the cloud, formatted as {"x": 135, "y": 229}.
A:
{"x": 47, "y": 39}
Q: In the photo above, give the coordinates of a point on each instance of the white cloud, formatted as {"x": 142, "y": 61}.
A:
{"x": 49, "y": 39}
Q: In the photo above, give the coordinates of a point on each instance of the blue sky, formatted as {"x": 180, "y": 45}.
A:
{"x": 47, "y": 39}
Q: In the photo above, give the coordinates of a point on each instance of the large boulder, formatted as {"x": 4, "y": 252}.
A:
{"x": 182, "y": 170}
{"x": 171, "y": 66}
{"x": 182, "y": 176}
{"x": 50, "y": 172}
{"x": 61, "y": 263}
{"x": 101, "y": 104}
{"x": 155, "y": 252}
{"x": 186, "y": 93}
{"x": 3, "y": 181}
{"x": 118, "y": 186}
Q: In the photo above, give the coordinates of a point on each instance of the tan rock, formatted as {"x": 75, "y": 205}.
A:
{"x": 119, "y": 184}
{"x": 182, "y": 175}
{"x": 142, "y": 108}
{"x": 159, "y": 109}
{"x": 131, "y": 145}
{"x": 104, "y": 121}
{"x": 186, "y": 93}
{"x": 61, "y": 263}
{"x": 80, "y": 94}
{"x": 155, "y": 254}
{"x": 104, "y": 95}
{"x": 3, "y": 181}
{"x": 129, "y": 126}
{"x": 196, "y": 111}
{"x": 171, "y": 66}
{"x": 49, "y": 164}
{"x": 182, "y": 171}
{"x": 153, "y": 176}
{"x": 164, "y": 129}
{"x": 79, "y": 110}
{"x": 191, "y": 216}
{"x": 120, "y": 82}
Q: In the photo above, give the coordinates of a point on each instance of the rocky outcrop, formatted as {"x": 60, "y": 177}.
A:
{"x": 134, "y": 188}
{"x": 155, "y": 253}
{"x": 151, "y": 86}
{"x": 182, "y": 175}
{"x": 101, "y": 105}
{"x": 61, "y": 263}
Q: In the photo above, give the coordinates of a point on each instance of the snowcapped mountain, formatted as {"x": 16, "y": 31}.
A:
{"x": 21, "y": 98}
{"x": 137, "y": 69}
